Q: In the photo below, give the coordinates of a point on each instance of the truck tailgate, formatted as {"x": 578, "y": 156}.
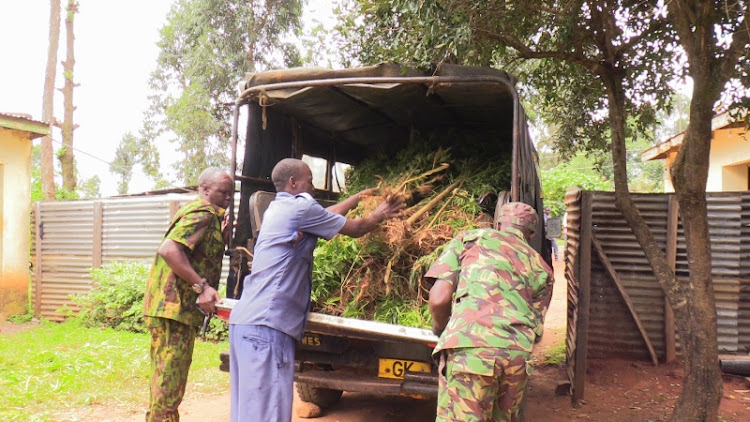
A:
{"x": 351, "y": 328}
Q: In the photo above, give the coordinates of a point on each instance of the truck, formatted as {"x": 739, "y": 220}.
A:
{"x": 334, "y": 118}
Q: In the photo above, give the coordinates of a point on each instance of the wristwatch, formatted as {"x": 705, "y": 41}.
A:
{"x": 199, "y": 287}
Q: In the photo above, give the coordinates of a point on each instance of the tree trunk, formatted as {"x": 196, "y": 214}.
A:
{"x": 695, "y": 313}
{"x": 66, "y": 157}
{"x": 47, "y": 165}
{"x": 656, "y": 256}
{"x": 702, "y": 388}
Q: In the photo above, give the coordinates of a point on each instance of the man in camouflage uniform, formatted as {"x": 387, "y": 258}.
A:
{"x": 186, "y": 271}
{"x": 499, "y": 288}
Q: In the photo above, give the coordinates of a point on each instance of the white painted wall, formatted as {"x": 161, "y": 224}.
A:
{"x": 728, "y": 163}
{"x": 15, "y": 165}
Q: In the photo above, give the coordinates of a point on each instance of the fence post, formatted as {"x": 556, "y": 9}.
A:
{"x": 584, "y": 297}
{"x": 38, "y": 230}
{"x": 174, "y": 206}
{"x": 96, "y": 253}
{"x": 670, "y": 352}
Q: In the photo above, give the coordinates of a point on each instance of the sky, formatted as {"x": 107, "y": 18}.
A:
{"x": 115, "y": 51}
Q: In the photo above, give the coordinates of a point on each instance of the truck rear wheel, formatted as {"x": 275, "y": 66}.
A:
{"x": 323, "y": 397}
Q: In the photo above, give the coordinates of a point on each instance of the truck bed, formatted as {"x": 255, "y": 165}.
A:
{"x": 351, "y": 328}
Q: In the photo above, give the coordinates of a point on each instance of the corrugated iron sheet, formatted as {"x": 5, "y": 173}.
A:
{"x": 573, "y": 226}
{"x": 612, "y": 331}
{"x": 67, "y": 233}
{"x": 131, "y": 230}
{"x": 612, "y": 328}
{"x": 743, "y": 323}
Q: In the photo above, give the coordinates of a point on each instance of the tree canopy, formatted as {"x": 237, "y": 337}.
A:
{"x": 600, "y": 69}
{"x": 552, "y": 47}
{"x": 206, "y": 47}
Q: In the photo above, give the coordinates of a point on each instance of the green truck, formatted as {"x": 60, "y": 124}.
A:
{"x": 338, "y": 117}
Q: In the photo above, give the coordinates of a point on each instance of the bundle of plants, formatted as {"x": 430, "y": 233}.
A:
{"x": 380, "y": 275}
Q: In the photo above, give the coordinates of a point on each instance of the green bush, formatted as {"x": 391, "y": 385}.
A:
{"x": 116, "y": 300}
{"x": 116, "y": 297}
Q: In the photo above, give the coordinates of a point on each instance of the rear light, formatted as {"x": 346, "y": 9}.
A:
{"x": 223, "y": 314}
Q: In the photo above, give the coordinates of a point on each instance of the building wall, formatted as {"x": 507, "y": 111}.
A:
{"x": 729, "y": 162}
{"x": 15, "y": 202}
{"x": 730, "y": 153}
{"x": 667, "y": 177}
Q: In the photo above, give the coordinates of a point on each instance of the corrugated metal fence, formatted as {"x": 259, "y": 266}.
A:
{"x": 615, "y": 305}
{"x": 71, "y": 237}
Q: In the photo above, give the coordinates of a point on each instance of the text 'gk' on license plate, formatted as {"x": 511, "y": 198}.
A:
{"x": 396, "y": 368}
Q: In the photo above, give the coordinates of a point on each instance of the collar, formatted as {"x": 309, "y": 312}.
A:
{"x": 299, "y": 195}
{"x": 218, "y": 212}
{"x": 514, "y": 231}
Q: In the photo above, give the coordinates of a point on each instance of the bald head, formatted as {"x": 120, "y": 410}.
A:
{"x": 211, "y": 175}
{"x": 291, "y": 175}
{"x": 215, "y": 186}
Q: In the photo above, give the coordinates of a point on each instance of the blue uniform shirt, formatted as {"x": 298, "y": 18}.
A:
{"x": 277, "y": 292}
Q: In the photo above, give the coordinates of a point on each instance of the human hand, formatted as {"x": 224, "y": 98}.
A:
{"x": 437, "y": 330}
{"x": 207, "y": 300}
{"x": 390, "y": 209}
{"x": 366, "y": 192}
{"x": 226, "y": 231}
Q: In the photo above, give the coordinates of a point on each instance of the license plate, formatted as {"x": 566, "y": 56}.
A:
{"x": 396, "y": 368}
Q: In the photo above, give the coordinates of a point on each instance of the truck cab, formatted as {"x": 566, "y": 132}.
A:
{"x": 336, "y": 118}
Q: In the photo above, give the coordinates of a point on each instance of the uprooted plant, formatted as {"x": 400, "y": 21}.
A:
{"x": 380, "y": 275}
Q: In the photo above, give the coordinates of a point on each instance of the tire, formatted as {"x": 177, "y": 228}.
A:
{"x": 323, "y": 397}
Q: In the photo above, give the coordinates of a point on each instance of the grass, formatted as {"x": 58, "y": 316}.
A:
{"x": 555, "y": 355}
{"x": 53, "y": 368}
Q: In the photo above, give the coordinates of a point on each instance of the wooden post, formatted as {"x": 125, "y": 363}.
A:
{"x": 38, "y": 259}
{"x": 584, "y": 298}
{"x": 670, "y": 349}
{"x": 174, "y": 206}
{"x": 96, "y": 253}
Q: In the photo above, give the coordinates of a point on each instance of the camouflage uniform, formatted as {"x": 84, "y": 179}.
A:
{"x": 170, "y": 310}
{"x": 502, "y": 290}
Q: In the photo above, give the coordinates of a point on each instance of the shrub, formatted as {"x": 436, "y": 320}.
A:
{"x": 116, "y": 297}
{"x": 116, "y": 300}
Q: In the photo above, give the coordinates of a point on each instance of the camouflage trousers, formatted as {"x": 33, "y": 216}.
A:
{"x": 481, "y": 384}
{"x": 171, "y": 354}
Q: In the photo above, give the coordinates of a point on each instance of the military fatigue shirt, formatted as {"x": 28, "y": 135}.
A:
{"x": 197, "y": 226}
{"x": 502, "y": 290}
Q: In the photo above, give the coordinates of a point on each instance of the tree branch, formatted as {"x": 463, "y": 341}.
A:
{"x": 682, "y": 22}
{"x": 653, "y": 26}
{"x": 527, "y": 53}
{"x": 740, "y": 39}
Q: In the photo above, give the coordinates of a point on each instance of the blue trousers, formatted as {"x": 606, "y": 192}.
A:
{"x": 261, "y": 369}
{"x": 555, "y": 252}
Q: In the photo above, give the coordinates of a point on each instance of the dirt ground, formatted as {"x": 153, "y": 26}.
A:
{"x": 616, "y": 391}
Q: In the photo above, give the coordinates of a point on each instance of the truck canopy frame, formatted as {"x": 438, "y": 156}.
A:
{"x": 344, "y": 115}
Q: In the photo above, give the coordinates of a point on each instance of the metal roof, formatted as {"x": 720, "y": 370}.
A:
{"x": 24, "y": 122}
{"x": 671, "y": 144}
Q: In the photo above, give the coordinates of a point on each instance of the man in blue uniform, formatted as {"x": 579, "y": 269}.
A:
{"x": 272, "y": 311}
